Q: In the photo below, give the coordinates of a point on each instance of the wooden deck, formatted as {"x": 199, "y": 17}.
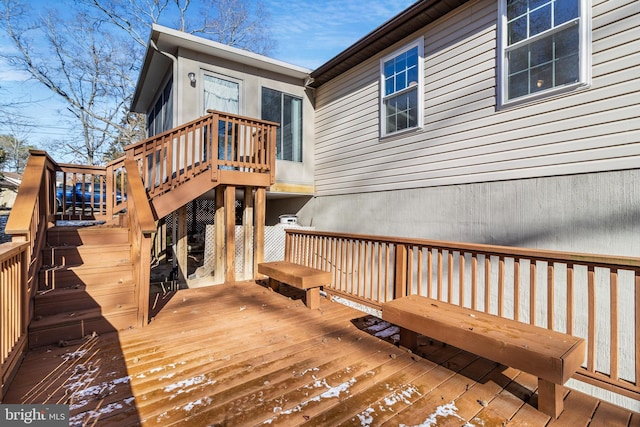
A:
{"x": 240, "y": 354}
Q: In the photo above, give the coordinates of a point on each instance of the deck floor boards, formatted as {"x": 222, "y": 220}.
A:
{"x": 242, "y": 355}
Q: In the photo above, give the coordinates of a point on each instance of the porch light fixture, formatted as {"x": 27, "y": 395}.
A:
{"x": 192, "y": 78}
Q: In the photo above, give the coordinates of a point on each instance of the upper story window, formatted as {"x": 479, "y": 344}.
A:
{"x": 401, "y": 89}
{"x": 221, "y": 95}
{"x": 285, "y": 109}
{"x": 160, "y": 118}
{"x": 545, "y": 47}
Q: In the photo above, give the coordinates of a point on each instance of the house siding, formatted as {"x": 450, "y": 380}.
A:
{"x": 465, "y": 138}
{"x": 561, "y": 173}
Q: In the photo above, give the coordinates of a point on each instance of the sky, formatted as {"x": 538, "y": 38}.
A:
{"x": 307, "y": 33}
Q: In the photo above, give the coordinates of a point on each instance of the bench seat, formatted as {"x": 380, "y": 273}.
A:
{"x": 306, "y": 278}
{"x": 551, "y": 356}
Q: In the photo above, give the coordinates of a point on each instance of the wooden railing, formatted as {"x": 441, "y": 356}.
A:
{"x": 33, "y": 210}
{"x": 210, "y": 144}
{"x": 596, "y": 297}
{"x": 14, "y": 308}
{"x": 90, "y": 192}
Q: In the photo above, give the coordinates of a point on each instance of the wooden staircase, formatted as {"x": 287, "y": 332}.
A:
{"x": 86, "y": 285}
{"x": 79, "y": 280}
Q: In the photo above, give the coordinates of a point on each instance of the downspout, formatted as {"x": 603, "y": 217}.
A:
{"x": 174, "y": 225}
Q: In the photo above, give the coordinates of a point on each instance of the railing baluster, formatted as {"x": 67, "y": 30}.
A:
{"x": 450, "y": 276}
{"x": 461, "y": 265}
{"x": 500, "y": 286}
{"x": 474, "y": 280}
{"x": 532, "y": 291}
{"x": 550, "y": 295}
{"x": 591, "y": 334}
{"x": 487, "y": 283}
{"x": 636, "y": 293}
{"x": 439, "y": 274}
{"x": 429, "y": 272}
{"x": 381, "y": 281}
{"x": 570, "y": 283}
{"x": 419, "y": 277}
{"x": 409, "y": 289}
{"x": 516, "y": 289}
{"x": 613, "y": 302}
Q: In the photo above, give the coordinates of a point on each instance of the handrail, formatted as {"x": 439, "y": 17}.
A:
{"x": 588, "y": 295}
{"x": 14, "y": 307}
{"x": 141, "y": 227}
{"x": 21, "y": 260}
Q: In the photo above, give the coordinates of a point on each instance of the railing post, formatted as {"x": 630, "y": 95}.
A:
{"x": 400, "y": 269}
{"x": 110, "y": 189}
{"x": 213, "y": 132}
{"x": 271, "y": 144}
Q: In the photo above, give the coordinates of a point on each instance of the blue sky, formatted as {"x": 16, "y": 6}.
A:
{"x": 307, "y": 33}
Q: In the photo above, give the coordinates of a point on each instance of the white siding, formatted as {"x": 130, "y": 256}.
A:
{"x": 465, "y": 139}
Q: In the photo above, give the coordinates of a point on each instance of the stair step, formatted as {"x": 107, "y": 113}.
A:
{"x": 88, "y": 276}
{"x": 75, "y": 236}
{"x": 87, "y": 255}
{"x": 61, "y": 300}
{"x": 52, "y": 330}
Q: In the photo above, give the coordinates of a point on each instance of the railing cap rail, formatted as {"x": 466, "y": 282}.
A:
{"x": 251, "y": 119}
{"x": 625, "y": 262}
{"x": 9, "y": 249}
{"x": 210, "y": 114}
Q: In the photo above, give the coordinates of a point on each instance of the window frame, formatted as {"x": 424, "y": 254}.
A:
{"x": 160, "y": 117}
{"x": 280, "y": 133}
{"x": 584, "y": 56}
{"x": 419, "y": 87}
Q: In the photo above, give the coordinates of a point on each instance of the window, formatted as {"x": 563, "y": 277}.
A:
{"x": 287, "y": 110}
{"x": 544, "y": 47}
{"x": 401, "y": 89}
{"x": 160, "y": 118}
{"x": 221, "y": 95}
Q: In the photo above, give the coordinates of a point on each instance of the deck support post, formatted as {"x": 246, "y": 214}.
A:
{"x": 182, "y": 246}
{"x": 258, "y": 230}
{"x": 230, "y": 233}
{"x": 219, "y": 232}
{"x": 247, "y": 228}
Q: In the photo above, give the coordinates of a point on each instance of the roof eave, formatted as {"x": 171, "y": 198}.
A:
{"x": 392, "y": 31}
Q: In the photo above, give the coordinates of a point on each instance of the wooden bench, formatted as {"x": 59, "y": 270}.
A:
{"x": 551, "y": 356}
{"x": 306, "y": 278}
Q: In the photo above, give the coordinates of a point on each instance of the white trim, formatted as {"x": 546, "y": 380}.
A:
{"x": 584, "y": 79}
{"x": 420, "y": 87}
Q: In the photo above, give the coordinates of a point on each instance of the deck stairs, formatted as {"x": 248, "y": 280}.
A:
{"x": 86, "y": 285}
{"x": 87, "y": 282}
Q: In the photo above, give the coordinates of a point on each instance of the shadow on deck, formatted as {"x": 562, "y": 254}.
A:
{"x": 240, "y": 354}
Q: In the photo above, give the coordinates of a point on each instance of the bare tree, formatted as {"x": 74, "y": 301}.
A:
{"x": 83, "y": 65}
{"x": 90, "y": 61}
{"x": 16, "y": 152}
{"x": 239, "y": 23}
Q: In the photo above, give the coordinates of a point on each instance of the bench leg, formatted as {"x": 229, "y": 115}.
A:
{"x": 274, "y": 284}
{"x": 312, "y": 298}
{"x": 550, "y": 398}
{"x": 408, "y": 339}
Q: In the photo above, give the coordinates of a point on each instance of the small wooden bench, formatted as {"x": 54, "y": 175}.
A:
{"x": 551, "y": 356}
{"x": 306, "y": 278}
